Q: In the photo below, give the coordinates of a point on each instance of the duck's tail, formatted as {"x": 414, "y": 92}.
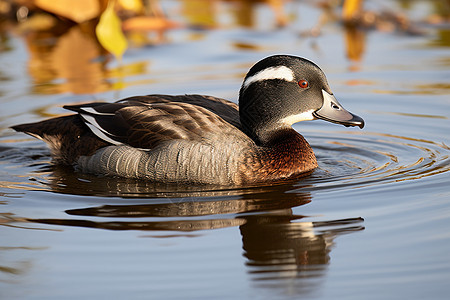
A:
{"x": 68, "y": 137}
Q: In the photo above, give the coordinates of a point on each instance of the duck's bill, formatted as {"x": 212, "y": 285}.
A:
{"x": 333, "y": 111}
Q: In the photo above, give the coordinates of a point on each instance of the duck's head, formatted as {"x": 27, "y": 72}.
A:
{"x": 281, "y": 90}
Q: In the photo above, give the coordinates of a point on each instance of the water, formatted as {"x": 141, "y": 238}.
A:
{"x": 371, "y": 222}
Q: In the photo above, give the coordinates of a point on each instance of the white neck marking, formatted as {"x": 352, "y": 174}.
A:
{"x": 304, "y": 116}
{"x": 279, "y": 72}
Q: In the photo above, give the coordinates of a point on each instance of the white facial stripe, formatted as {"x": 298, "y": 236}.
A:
{"x": 97, "y": 130}
{"x": 280, "y": 72}
{"x": 304, "y": 116}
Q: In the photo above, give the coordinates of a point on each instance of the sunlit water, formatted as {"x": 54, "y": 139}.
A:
{"x": 372, "y": 222}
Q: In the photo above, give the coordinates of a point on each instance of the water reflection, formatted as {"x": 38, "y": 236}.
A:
{"x": 283, "y": 245}
{"x": 207, "y": 14}
{"x": 211, "y": 209}
{"x": 64, "y": 61}
{"x": 355, "y": 40}
{"x": 277, "y": 243}
{"x": 15, "y": 267}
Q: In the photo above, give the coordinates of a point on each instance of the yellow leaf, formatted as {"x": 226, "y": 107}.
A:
{"x": 351, "y": 9}
{"x": 109, "y": 32}
{"x": 133, "y": 5}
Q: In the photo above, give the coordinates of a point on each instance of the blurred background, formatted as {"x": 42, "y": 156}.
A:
{"x": 69, "y": 51}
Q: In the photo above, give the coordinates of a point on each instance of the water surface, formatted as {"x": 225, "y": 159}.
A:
{"x": 371, "y": 222}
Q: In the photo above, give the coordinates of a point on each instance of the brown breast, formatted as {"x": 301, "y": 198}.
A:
{"x": 287, "y": 155}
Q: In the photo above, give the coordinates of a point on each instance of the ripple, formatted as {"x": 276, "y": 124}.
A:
{"x": 350, "y": 159}
{"x": 346, "y": 160}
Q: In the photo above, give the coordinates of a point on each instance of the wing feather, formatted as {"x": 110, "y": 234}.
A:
{"x": 147, "y": 121}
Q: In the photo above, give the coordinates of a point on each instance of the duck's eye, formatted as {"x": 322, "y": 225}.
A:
{"x": 303, "y": 84}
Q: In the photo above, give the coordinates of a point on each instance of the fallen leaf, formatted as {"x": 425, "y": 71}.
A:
{"x": 148, "y": 24}
{"x": 133, "y": 5}
{"x": 109, "y": 32}
{"x": 38, "y": 22}
{"x": 351, "y": 9}
{"x": 77, "y": 11}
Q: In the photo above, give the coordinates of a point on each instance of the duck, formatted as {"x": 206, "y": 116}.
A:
{"x": 200, "y": 139}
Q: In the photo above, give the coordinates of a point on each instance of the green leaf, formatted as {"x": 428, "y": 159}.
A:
{"x": 109, "y": 32}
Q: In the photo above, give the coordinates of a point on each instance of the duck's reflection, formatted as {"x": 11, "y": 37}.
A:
{"x": 188, "y": 210}
{"x": 280, "y": 246}
{"x": 283, "y": 247}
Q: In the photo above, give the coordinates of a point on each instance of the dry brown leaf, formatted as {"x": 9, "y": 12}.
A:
{"x": 148, "y": 24}
{"x": 37, "y": 22}
{"x": 77, "y": 11}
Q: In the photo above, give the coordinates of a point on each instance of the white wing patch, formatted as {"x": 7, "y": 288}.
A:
{"x": 280, "y": 72}
{"x": 98, "y": 130}
{"x": 93, "y": 111}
